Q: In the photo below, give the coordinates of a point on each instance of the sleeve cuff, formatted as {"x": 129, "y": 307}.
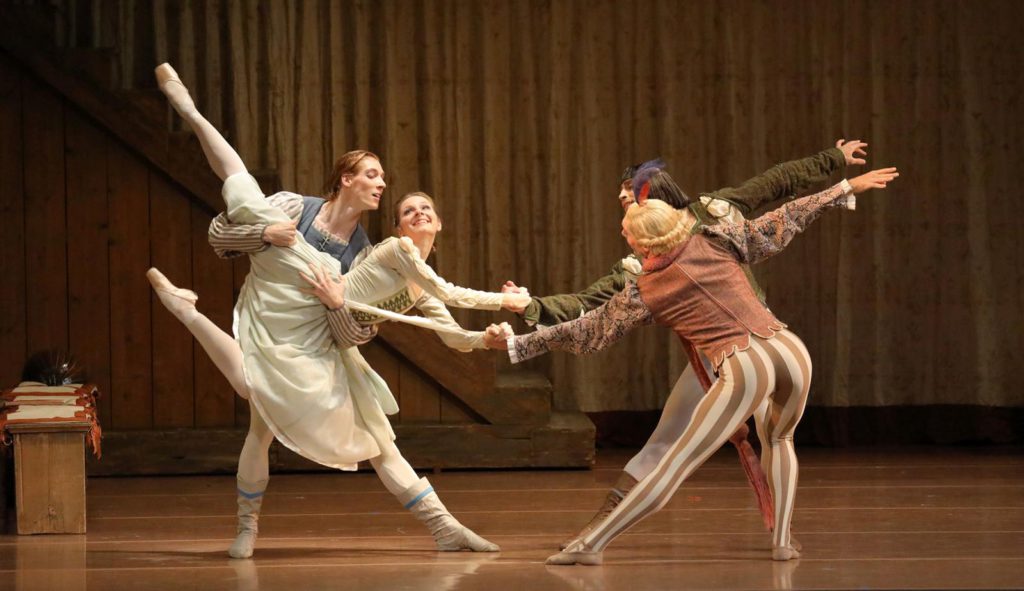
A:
{"x": 510, "y": 342}
{"x": 849, "y": 200}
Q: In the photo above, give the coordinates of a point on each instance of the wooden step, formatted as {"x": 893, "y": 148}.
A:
{"x": 151, "y": 102}
{"x": 566, "y": 440}
{"x": 97, "y": 64}
{"x": 528, "y": 395}
{"x": 127, "y": 121}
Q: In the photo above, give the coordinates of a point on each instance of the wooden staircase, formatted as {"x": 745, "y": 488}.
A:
{"x": 503, "y": 419}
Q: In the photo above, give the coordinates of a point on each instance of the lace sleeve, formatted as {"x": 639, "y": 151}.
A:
{"x": 594, "y": 331}
{"x": 758, "y": 239}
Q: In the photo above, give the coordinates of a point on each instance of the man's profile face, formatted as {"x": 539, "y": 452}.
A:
{"x": 626, "y": 194}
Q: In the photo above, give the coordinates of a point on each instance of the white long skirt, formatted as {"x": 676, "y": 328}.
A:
{"x": 321, "y": 402}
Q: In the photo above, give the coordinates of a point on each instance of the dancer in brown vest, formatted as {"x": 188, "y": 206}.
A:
{"x": 695, "y": 285}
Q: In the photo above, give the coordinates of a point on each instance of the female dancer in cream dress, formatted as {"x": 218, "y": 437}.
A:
{"x": 320, "y": 400}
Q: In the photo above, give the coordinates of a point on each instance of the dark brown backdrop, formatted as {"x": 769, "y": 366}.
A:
{"x": 518, "y": 117}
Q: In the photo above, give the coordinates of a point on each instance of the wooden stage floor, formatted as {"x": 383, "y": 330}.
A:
{"x": 921, "y": 518}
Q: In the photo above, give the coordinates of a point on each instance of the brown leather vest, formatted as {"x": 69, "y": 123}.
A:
{"x": 700, "y": 291}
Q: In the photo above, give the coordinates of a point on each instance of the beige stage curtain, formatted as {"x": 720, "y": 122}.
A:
{"x": 519, "y": 116}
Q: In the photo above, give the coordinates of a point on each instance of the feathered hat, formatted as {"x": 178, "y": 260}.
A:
{"x": 642, "y": 178}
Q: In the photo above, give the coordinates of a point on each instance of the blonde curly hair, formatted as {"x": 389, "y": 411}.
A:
{"x": 657, "y": 227}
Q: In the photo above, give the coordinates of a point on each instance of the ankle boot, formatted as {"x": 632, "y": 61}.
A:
{"x": 623, "y": 485}
{"x": 449, "y": 534}
{"x": 250, "y": 499}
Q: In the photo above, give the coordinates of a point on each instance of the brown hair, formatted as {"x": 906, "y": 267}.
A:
{"x": 348, "y": 163}
{"x": 397, "y": 213}
{"x": 666, "y": 189}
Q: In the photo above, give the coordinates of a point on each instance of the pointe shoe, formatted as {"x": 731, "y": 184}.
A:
{"x": 174, "y": 89}
{"x": 576, "y": 553}
{"x": 785, "y": 553}
{"x": 179, "y": 302}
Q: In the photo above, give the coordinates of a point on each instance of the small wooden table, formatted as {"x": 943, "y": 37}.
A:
{"x": 49, "y": 477}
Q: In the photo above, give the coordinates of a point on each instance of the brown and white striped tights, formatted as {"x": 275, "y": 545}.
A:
{"x": 778, "y": 368}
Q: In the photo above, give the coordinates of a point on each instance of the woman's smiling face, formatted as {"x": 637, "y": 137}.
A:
{"x": 417, "y": 217}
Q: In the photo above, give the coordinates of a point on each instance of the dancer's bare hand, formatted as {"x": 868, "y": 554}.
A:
{"x": 280, "y": 234}
{"x": 876, "y": 179}
{"x": 496, "y": 335}
{"x": 515, "y": 302}
{"x": 328, "y": 288}
{"x": 511, "y": 287}
{"x": 851, "y": 149}
{"x": 515, "y": 305}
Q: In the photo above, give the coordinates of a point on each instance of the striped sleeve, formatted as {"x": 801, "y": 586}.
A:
{"x": 346, "y": 331}
{"x": 232, "y": 240}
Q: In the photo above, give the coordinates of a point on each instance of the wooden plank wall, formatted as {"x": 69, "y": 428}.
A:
{"x": 90, "y": 218}
{"x": 85, "y": 218}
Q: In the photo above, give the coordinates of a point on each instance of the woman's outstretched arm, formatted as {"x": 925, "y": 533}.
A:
{"x": 457, "y": 337}
{"x": 401, "y": 256}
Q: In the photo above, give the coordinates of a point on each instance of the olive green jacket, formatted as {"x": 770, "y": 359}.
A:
{"x": 782, "y": 181}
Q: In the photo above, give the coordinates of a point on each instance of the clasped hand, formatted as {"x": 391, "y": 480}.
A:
{"x": 496, "y": 336}
{"x": 516, "y": 298}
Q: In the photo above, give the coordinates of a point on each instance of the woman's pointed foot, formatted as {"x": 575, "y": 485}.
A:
{"x": 174, "y": 89}
{"x": 180, "y": 302}
{"x": 576, "y": 553}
